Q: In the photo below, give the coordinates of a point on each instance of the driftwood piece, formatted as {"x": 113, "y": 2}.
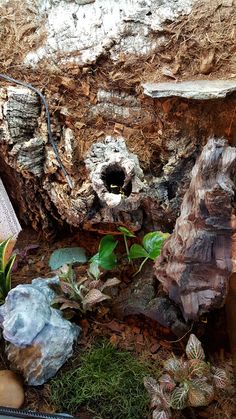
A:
{"x": 197, "y": 259}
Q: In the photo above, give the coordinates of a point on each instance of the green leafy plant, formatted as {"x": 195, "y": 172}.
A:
{"x": 5, "y": 269}
{"x": 126, "y": 233}
{"x": 67, "y": 256}
{"x": 150, "y": 248}
{"x": 80, "y": 295}
{"x": 189, "y": 382}
{"x": 105, "y": 258}
{"x": 108, "y": 383}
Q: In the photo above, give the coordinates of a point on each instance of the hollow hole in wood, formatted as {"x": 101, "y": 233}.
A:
{"x": 114, "y": 179}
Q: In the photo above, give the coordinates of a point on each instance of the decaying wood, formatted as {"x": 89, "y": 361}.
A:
{"x": 199, "y": 256}
{"x": 42, "y": 195}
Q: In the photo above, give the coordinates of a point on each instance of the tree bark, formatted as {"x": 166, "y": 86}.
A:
{"x": 199, "y": 256}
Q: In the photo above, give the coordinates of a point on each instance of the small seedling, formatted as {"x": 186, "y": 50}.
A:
{"x": 150, "y": 249}
{"x": 105, "y": 258}
{"x": 126, "y": 233}
{"x": 5, "y": 269}
{"x": 81, "y": 295}
{"x": 189, "y": 382}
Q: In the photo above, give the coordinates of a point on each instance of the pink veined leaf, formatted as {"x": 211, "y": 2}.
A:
{"x": 194, "y": 348}
{"x": 70, "y": 304}
{"x": 179, "y": 398}
{"x": 111, "y": 282}
{"x": 160, "y": 414}
{"x": 206, "y": 388}
{"x": 60, "y": 300}
{"x": 94, "y": 297}
{"x": 66, "y": 288}
{"x": 94, "y": 284}
{"x": 81, "y": 280}
{"x": 151, "y": 385}
{"x": 176, "y": 368}
{"x": 198, "y": 368}
{"x": 220, "y": 378}
{"x": 166, "y": 382}
{"x": 196, "y": 398}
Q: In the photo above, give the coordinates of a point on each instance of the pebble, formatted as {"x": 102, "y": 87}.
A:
{"x": 11, "y": 390}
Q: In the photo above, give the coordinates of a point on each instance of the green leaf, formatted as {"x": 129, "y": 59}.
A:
{"x": 137, "y": 251}
{"x": 3, "y": 250}
{"x": 67, "y": 256}
{"x": 7, "y": 273}
{"x": 94, "y": 267}
{"x": 108, "y": 262}
{"x": 153, "y": 243}
{"x": 107, "y": 246}
{"x": 126, "y": 232}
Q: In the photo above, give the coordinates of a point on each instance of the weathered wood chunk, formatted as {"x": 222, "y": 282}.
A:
{"x": 197, "y": 259}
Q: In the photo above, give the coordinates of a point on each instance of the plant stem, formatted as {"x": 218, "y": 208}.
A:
{"x": 140, "y": 267}
{"x": 126, "y": 248}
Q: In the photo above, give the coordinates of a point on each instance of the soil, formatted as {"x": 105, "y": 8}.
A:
{"x": 143, "y": 337}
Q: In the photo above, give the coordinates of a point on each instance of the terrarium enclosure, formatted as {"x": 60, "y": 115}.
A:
{"x": 119, "y": 115}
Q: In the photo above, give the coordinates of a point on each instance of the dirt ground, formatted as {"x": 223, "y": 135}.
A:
{"x": 143, "y": 337}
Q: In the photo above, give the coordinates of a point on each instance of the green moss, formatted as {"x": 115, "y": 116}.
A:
{"x": 108, "y": 383}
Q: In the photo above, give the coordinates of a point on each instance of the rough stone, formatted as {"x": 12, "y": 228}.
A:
{"x": 41, "y": 340}
{"x": 11, "y": 390}
{"x": 195, "y": 89}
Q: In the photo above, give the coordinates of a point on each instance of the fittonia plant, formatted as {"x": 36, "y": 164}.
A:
{"x": 189, "y": 382}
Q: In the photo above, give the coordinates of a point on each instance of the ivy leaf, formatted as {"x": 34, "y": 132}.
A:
{"x": 137, "y": 251}
{"x": 153, "y": 243}
{"x": 67, "y": 256}
{"x": 126, "y": 232}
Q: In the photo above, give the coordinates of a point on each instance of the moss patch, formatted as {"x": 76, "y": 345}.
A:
{"x": 108, "y": 382}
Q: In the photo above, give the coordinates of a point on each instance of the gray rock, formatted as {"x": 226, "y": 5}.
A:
{"x": 196, "y": 89}
{"x": 41, "y": 340}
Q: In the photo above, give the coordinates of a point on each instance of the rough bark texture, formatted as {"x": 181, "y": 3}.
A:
{"x": 94, "y": 90}
{"x": 199, "y": 256}
{"x": 42, "y": 194}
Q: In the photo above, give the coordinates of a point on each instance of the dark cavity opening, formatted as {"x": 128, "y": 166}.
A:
{"x": 113, "y": 178}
